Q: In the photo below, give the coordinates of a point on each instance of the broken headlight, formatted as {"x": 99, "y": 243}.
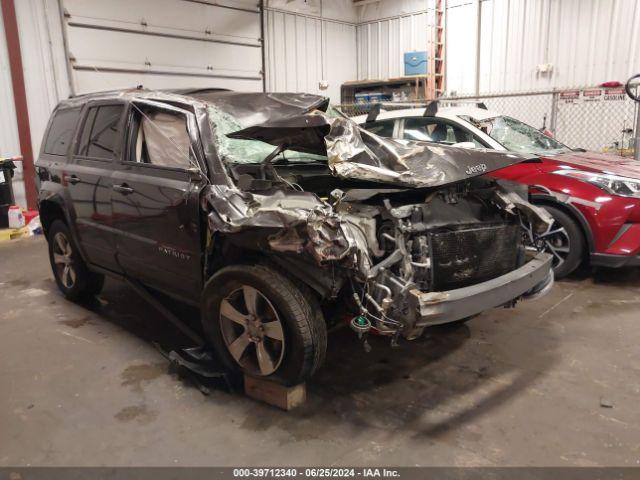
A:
{"x": 613, "y": 184}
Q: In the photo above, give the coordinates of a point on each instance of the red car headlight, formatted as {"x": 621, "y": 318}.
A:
{"x": 612, "y": 184}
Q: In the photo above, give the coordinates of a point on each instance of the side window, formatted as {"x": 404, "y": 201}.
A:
{"x": 383, "y": 128}
{"x": 435, "y": 130}
{"x": 160, "y": 138}
{"x": 100, "y": 133}
{"x": 476, "y": 142}
{"x": 60, "y": 134}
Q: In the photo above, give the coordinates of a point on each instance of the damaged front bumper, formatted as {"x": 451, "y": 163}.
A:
{"x": 534, "y": 279}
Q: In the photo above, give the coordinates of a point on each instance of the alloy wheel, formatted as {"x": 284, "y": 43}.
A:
{"x": 556, "y": 241}
{"x": 63, "y": 260}
{"x": 252, "y": 331}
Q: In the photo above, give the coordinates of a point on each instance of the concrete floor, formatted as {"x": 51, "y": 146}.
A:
{"x": 84, "y": 385}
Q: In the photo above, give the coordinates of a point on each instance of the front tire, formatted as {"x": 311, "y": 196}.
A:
{"x": 262, "y": 325}
{"x": 73, "y": 277}
{"x": 564, "y": 240}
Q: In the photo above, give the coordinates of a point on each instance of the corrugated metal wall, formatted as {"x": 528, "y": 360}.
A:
{"x": 302, "y": 50}
{"x": 9, "y": 144}
{"x": 104, "y": 35}
{"x": 164, "y": 43}
{"x": 389, "y": 28}
{"x": 382, "y": 43}
{"x": 586, "y": 41}
{"x": 45, "y": 77}
{"x": 43, "y": 61}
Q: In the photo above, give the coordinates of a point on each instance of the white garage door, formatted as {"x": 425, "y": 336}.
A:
{"x": 164, "y": 44}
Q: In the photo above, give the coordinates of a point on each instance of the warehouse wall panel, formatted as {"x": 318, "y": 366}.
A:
{"x": 341, "y": 10}
{"x": 381, "y": 44}
{"x": 460, "y": 48}
{"x": 44, "y": 72}
{"x": 586, "y": 41}
{"x": 163, "y": 43}
{"x": 46, "y": 81}
{"x": 385, "y": 9}
{"x": 402, "y": 27}
{"x": 43, "y": 62}
{"x": 303, "y": 50}
{"x": 115, "y": 80}
{"x": 9, "y": 144}
{"x": 172, "y": 16}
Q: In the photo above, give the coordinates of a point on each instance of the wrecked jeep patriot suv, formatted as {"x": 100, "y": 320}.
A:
{"x": 278, "y": 216}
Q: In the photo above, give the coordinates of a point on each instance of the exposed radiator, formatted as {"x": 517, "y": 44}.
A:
{"x": 472, "y": 255}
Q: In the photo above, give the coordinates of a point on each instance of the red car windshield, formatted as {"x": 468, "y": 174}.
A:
{"x": 517, "y": 136}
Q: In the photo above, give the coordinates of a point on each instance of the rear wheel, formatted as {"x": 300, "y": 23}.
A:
{"x": 72, "y": 276}
{"x": 564, "y": 240}
{"x": 262, "y": 325}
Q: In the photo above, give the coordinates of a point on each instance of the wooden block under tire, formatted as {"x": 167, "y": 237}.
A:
{"x": 286, "y": 398}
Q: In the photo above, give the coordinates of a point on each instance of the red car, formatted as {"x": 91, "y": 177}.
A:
{"x": 594, "y": 198}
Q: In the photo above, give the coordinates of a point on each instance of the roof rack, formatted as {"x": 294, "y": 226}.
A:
{"x": 373, "y": 113}
{"x": 193, "y": 91}
{"x": 431, "y": 110}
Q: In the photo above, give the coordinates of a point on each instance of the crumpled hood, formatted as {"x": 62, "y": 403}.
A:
{"x": 355, "y": 153}
{"x": 600, "y": 162}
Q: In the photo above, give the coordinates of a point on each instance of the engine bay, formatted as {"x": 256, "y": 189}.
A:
{"x": 379, "y": 243}
{"x": 366, "y": 221}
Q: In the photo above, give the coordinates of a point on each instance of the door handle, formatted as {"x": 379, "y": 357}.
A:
{"x": 73, "y": 179}
{"x": 123, "y": 188}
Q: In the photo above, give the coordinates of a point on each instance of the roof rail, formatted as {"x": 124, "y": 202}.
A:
{"x": 102, "y": 92}
{"x": 192, "y": 91}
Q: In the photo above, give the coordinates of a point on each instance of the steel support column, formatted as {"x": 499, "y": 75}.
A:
{"x": 20, "y": 99}
{"x": 262, "y": 47}
{"x": 478, "y": 44}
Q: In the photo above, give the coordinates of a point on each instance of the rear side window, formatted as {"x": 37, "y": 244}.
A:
{"x": 100, "y": 132}
{"x": 61, "y": 131}
{"x": 383, "y": 128}
{"x": 434, "y": 130}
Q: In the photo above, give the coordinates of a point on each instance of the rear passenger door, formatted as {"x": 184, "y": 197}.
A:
{"x": 88, "y": 179}
{"x": 56, "y": 152}
{"x": 155, "y": 200}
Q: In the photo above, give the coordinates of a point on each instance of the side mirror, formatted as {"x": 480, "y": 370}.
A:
{"x": 464, "y": 145}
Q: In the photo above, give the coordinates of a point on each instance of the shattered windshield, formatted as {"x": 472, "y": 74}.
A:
{"x": 233, "y": 150}
{"x": 250, "y": 128}
{"x": 519, "y": 137}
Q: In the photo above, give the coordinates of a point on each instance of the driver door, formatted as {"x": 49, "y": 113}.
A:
{"x": 155, "y": 200}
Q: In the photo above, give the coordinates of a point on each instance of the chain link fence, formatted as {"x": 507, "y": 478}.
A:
{"x": 592, "y": 118}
